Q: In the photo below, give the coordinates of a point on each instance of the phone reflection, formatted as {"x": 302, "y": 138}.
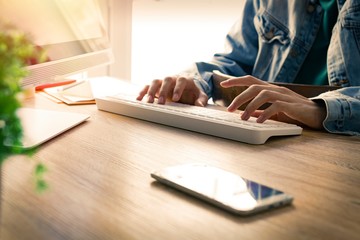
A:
{"x": 224, "y": 187}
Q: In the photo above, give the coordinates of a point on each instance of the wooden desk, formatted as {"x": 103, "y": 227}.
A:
{"x": 99, "y": 173}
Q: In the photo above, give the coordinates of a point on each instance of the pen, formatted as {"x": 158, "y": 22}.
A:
{"x": 54, "y": 84}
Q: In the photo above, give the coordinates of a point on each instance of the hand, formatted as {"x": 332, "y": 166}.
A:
{"x": 286, "y": 105}
{"x": 177, "y": 88}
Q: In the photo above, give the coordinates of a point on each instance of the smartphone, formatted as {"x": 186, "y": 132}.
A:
{"x": 221, "y": 188}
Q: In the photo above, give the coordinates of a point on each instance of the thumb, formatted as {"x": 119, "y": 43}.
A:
{"x": 202, "y": 100}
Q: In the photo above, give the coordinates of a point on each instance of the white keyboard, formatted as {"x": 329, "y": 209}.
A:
{"x": 199, "y": 119}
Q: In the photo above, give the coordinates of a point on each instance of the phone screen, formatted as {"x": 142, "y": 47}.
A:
{"x": 222, "y": 188}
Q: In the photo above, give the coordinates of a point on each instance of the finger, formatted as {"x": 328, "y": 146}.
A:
{"x": 280, "y": 116}
{"x": 257, "y": 113}
{"x": 251, "y": 80}
{"x": 142, "y": 93}
{"x": 269, "y": 93}
{"x": 202, "y": 100}
{"x": 165, "y": 89}
{"x": 153, "y": 90}
{"x": 264, "y": 96}
{"x": 250, "y": 93}
{"x": 312, "y": 114}
{"x": 179, "y": 88}
{"x": 242, "y": 81}
{"x": 289, "y": 109}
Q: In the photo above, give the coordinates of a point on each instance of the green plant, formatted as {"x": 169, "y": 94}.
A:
{"x": 16, "y": 51}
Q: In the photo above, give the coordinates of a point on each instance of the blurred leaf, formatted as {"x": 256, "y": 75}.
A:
{"x": 16, "y": 51}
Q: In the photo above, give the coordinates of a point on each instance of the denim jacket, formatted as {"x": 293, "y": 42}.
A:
{"x": 271, "y": 41}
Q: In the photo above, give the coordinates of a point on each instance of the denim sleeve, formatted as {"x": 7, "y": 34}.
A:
{"x": 343, "y": 110}
{"x": 239, "y": 55}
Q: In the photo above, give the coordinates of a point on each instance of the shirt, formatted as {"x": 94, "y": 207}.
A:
{"x": 309, "y": 74}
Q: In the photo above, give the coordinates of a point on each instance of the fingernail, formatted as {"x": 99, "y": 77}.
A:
{"x": 223, "y": 82}
{"x": 200, "y": 104}
{"x": 175, "y": 97}
{"x": 230, "y": 108}
{"x": 245, "y": 115}
{"x": 150, "y": 99}
{"x": 161, "y": 100}
{"x": 260, "y": 119}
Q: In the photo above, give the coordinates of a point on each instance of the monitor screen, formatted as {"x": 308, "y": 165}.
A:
{"x": 72, "y": 32}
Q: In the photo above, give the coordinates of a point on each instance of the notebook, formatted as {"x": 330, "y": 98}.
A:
{"x": 41, "y": 125}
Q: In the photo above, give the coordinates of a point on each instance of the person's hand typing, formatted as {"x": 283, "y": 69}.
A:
{"x": 286, "y": 105}
{"x": 177, "y": 88}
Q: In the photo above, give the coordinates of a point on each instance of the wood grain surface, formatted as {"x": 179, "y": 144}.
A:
{"x": 100, "y": 184}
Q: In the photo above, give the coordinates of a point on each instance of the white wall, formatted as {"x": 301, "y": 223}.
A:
{"x": 120, "y": 37}
{"x": 168, "y": 35}
{"x": 154, "y": 38}
{"x": 118, "y": 17}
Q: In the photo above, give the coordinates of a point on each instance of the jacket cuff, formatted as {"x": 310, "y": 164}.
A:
{"x": 338, "y": 110}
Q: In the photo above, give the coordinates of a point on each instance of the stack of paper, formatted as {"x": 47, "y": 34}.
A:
{"x": 73, "y": 94}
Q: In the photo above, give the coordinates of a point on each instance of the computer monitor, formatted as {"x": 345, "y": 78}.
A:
{"x": 72, "y": 32}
